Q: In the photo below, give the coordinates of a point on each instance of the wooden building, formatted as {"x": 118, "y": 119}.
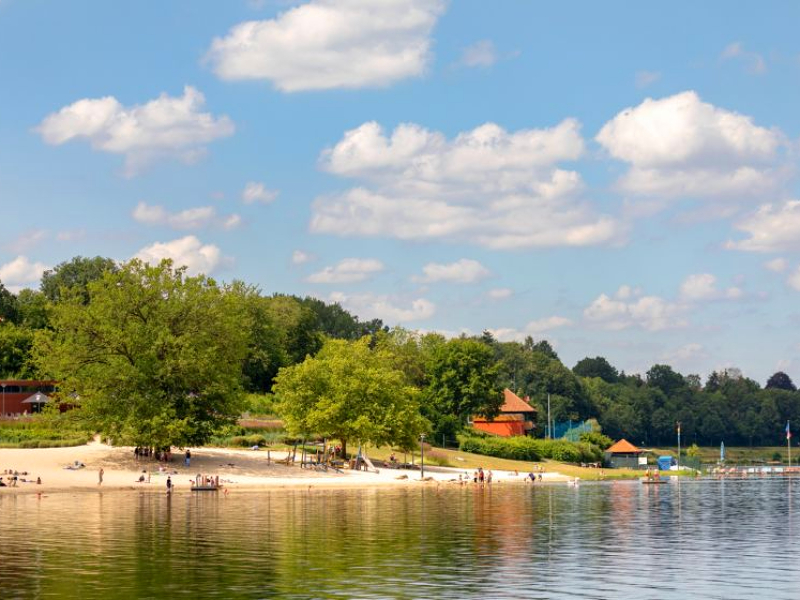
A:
{"x": 623, "y": 455}
{"x": 19, "y": 396}
{"x": 516, "y": 417}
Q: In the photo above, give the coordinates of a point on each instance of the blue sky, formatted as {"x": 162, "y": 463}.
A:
{"x": 618, "y": 179}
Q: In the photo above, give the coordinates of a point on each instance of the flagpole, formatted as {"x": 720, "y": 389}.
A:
{"x": 679, "y": 445}
{"x": 789, "y": 442}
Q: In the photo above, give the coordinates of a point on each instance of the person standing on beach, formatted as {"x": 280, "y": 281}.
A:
{"x": 169, "y": 484}
{"x": 100, "y": 476}
{"x": 188, "y": 458}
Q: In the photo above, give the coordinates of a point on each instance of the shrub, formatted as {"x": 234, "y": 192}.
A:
{"x": 598, "y": 439}
{"x": 437, "y": 458}
{"x": 529, "y": 449}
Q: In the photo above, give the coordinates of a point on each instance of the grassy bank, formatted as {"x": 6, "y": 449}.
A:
{"x": 40, "y": 431}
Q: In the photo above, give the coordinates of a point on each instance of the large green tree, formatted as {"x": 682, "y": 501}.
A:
{"x": 462, "y": 381}
{"x": 349, "y": 392}
{"x": 152, "y": 355}
{"x": 75, "y": 275}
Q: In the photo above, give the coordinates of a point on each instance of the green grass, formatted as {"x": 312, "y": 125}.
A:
{"x": 43, "y": 431}
{"x": 736, "y": 454}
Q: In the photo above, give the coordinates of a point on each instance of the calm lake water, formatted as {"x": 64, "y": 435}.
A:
{"x": 693, "y": 539}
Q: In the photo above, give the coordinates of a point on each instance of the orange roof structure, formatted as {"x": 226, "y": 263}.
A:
{"x": 623, "y": 447}
{"x": 515, "y": 404}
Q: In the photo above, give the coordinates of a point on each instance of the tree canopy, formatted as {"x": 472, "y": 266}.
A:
{"x": 350, "y": 392}
{"x": 149, "y": 354}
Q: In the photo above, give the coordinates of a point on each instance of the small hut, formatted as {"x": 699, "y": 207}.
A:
{"x": 516, "y": 417}
{"x": 623, "y": 455}
{"x": 36, "y": 402}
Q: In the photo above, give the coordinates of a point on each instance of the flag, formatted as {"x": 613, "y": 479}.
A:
{"x": 788, "y": 431}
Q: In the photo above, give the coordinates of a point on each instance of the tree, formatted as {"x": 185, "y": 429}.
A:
{"x": 596, "y": 367}
{"x": 15, "y": 350}
{"x": 8, "y": 305}
{"x": 351, "y": 393}
{"x": 462, "y": 381}
{"x": 32, "y": 309}
{"x": 75, "y": 275}
{"x": 153, "y": 356}
{"x": 781, "y": 381}
{"x": 665, "y": 379}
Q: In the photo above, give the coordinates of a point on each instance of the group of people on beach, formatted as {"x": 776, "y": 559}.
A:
{"x": 160, "y": 454}
{"x": 479, "y": 476}
{"x": 12, "y": 477}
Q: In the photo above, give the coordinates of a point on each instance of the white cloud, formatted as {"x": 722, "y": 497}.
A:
{"x": 687, "y": 356}
{"x": 794, "y": 279}
{"x": 480, "y": 54}
{"x": 534, "y": 329}
{"x": 461, "y": 271}
{"x": 327, "y": 44}
{"x": 187, "y": 251}
{"x": 27, "y": 240}
{"x": 192, "y": 218}
{"x": 487, "y": 186}
{"x": 682, "y": 146}
{"x": 348, "y": 270}
{"x": 71, "y": 235}
{"x": 21, "y": 273}
{"x": 703, "y": 286}
{"x": 373, "y": 306}
{"x": 164, "y": 127}
{"x": 777, "y": 265}
{"x": 299, "y": 257}
{"x": 500, "y": 293}
{"x": 645, "y": 78}
{"x": 772, "y": 228}
{"x": 754, "y": 62}
{"x": 257, "y": 192}
{"x": 627, "y": 309}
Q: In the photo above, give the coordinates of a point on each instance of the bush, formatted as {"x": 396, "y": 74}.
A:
{"x": 529, "y": 449}
{"x": 597, "y": 438}
{"x": 437, "y": 458}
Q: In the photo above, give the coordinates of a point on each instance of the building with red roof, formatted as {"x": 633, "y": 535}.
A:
{"x": 516, "y": 417}
{"x": 623, "y": 455}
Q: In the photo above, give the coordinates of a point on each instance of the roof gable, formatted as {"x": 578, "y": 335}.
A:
{"x": 623, "y": 447}
{"x": 515, "y": 404}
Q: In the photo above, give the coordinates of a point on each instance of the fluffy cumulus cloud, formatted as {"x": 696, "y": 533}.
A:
{"x": 777, "y": 265}
{"x": 534, "y": 329}
{"x": 461, "y": 271}
{"x": 187, "y": 251}
{"x": 348, "y": 270}
{"x": 192, "y": 218}
{"x": 771, "y": 228}
{"x": 629, "y": 308}
{"x": 682, "y": 146}
{"x": 327, "y": 44}
{"x": 703, "y": 287}
{"x": 168, "y": 126}
{"x": 21, "y": 273}
{"x": 256, "y": 192}
{"x": 486, "y": 186}
{"x": 391, "y": 310}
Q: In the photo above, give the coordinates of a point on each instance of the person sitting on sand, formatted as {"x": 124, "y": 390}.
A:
{"x": 2, "y": 483}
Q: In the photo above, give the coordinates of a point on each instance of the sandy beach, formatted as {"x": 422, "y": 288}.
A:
{"x": 237, "y": 470}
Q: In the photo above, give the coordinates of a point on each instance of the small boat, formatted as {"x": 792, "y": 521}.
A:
{"x": 653, "y": 481}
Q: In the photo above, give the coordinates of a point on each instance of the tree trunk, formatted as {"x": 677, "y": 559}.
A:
{"x": 344, "y": 449}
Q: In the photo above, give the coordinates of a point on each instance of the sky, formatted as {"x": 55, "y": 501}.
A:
{"x": 619, "y": 179}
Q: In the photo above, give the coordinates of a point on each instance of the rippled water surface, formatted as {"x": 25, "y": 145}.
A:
{"x": 694, "y": 539}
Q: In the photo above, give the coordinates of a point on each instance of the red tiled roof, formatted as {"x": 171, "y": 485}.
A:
{"x": 623, "y": 447}
{"x": 515, "y": 404}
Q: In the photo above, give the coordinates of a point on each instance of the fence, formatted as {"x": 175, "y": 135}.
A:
{"x": 571, "y": 430}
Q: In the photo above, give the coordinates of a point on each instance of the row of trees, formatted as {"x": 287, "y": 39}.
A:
{"x": 155, "y": 356}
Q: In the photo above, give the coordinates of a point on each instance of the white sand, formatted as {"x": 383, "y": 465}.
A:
{"x": 237, "y": 470}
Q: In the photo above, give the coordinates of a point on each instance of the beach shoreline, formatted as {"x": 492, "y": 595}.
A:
{"x": 237, "y": 469}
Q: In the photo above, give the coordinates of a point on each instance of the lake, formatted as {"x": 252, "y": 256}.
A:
{"x": 692, "y": 539}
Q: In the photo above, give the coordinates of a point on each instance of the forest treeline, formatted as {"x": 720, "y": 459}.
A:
{"x": 75, "y": 316}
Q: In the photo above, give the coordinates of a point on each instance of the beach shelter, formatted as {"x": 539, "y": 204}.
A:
{"x": 623, "y": 455}
{"x": 36, "y": 401}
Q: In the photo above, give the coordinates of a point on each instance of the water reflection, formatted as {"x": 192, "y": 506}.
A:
{"x": 709, "y": 539}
